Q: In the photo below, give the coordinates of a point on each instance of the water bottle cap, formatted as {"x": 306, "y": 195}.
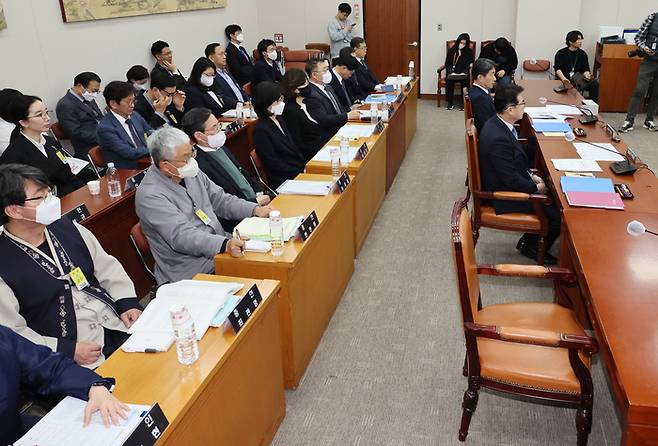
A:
{"x": 411, "y": 64}
{"x": 275, "y": 214}
{"x": 179, "y": 312}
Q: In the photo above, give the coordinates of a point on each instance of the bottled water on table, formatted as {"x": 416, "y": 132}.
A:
{"x": 113, "y": 183}
{"x": 239, "y": 110}
{"x": 344, "y": 152}
{"x": 276, "y": 233}
{"x": 412, "y": 71}
{"x": 186, "y": 343}
{"x": 334, "y": 154}
{"x": 374, "y": 111}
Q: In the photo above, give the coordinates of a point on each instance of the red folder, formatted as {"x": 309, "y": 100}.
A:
{"x": 605, "y": 200}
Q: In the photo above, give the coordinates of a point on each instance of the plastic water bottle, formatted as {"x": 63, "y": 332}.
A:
{"x": 239, "y": 110}
{"x": 186, "y": 343}
{"x": 412, "y": 71}
{"x": 344, "y": 152}
{"x": 398, "y": 81}
{"x": 569, "y": 136}
{"x": 276, "y": 233}
{"x": 334, "y": 154}
{"x": 113, "y": 183}
{"x": 374, "y": 111}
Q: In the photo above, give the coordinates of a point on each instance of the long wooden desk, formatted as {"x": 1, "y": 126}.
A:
{"x": 313, "y": 274}
{"x": 618, "y": 274}
{"x": 232, "y": 395}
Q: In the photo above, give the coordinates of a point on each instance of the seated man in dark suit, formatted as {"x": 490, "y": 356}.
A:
{"x": 504, "y": 166}
{"x": 237, "y": 58}
{"x": 163, "y": 103}
{"x": 34, "y": 368}
{"x": 226, "y": 84}
{"x": 165, "y": 62}
{"x": 504, "y": 56}
{"x": 352, "y": 83}
{"x": 343, "y": 69}
{"x": 79, "y": 114}
{"x": 367, "y": 79}
{"x": 121, "y": 133}
{"x": 322, "y": 102}
{"x": 484, "y": 78}
{"x": 266, "y": 68}
{"x": 217, "y": 161}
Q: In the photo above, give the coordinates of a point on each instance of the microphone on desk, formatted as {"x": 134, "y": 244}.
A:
{"x": 591, "y": 118}
{"x": 636, "y": 229}
{"x": 625, "y": 167}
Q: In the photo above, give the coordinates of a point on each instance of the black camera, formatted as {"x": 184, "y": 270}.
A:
{"x": 637, "y": 53}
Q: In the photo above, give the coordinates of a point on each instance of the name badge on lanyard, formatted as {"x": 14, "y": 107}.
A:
{"x": 202, "y": 216}
{"x": 60, "y": 155}
{"x": 78, "y": 278}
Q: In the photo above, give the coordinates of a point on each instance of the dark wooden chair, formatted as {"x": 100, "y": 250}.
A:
{"x": 259, "y": 167}
{"x": 58, "y": 131}
{"x": 484, "y": 214}
{"x": 324, "y": 47}
{"x": 534, "y": 349}
{"x": 442, "y": 79}
{"x": 95, "y": 156}
{"x": 298, "y": 58}
{"x": 468, "y": 107}
{"x": 143, "y": 250}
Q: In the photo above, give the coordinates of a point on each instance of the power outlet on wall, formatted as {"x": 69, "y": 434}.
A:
{"x": 439, "y": 27}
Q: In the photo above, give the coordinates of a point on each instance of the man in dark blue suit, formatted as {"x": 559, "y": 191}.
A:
{"x": 367, "y": 79}
{"x": 238, "y": 59}
{"x": 121, "y": 133}
{"x": 165, "y": 62}
{"x": 321, "y": 100}
{"x": 225, "y": 83}
{"x": 504, "y": 166}
{"x": 484, "y": 77}
{"x": 267, "y": 68}
{"x": 78, "y": 113}
{"x": 36, "y": 368}
{"x": 343, "y": 70}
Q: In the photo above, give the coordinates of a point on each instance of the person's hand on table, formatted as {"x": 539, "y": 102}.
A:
{"x": 110, "y": 408}
{"x": 235, "y": 246}
{"x": 262, "y": 211}
{"x": 353, "y": 114}
{"x": 86, "y": 352}
{"x": 129, "y": 317}
{"x": 263, "y": 199}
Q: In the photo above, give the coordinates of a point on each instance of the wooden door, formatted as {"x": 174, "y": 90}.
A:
{"x": 392, "y": 32}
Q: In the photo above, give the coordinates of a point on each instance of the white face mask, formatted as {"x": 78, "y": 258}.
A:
{"x": 207, "y": 81}
{"x": 89, "y": 96}
{"x": 272, "y": 55}
{"x": 142, "y": 87}
{"x": 326, "y": 78}
{"x": 240, "y": 37}
{"x": 278, "y": 107}
{"x": 48, "y": 211}
{"x": 217, "y": 140}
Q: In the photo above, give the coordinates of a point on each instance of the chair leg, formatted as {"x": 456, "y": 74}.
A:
{"x": 469, "y": 405}
{"x": 465, "y": 368}
{"x": 476, "y": 234}
{"x": 583, "y": 424}
{"x": 541, "y": 250}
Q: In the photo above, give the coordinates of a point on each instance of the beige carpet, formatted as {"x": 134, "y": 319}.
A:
{"x": 388, "y": 369}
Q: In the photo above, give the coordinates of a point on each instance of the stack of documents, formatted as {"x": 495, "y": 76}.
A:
{"x": 258, "y": 228}
{"x": 303, "y": 187}
{"x": 564, "y": 109}
{"x": 378, "y": 98}
{"x": 202, "y": 299}
{"x": 63, "y": 426}
{"x": 76, "y": 164}
{"x": 576, "y": 165}
{"x": 247, "y": 112}
{"x": 606, "y": 151}
{"x": 540, "y": 113}
{"x": 550, "y": 126}
{"x": 591, "y": 192}
{"x": 257, "y": 246}
{"x": 324, "y": 154}
{"x": 393, "y": 80}
{"x": 356, "y": 131}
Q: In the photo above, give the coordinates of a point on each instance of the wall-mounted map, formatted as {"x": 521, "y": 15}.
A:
{"x": 84, "y": 10}
{"x": 3, "y": 21}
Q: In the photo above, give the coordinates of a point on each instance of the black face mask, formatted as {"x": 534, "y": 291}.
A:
{"x": 305, "y": 92}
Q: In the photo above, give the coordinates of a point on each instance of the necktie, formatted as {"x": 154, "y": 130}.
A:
{"x": 233, "y": 85}
{"x": 515, "y": 133}
{"x": 246, "y": 55}
{"x": 347, "y": 95}
{"x": 333, "y": 100}
{"x": 133, "y": 133}
{"x": 94, "y": 108}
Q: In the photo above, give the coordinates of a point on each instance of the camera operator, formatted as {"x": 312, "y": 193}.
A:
{"x": 571, "y": 63}
{"x": 647, "y": 41}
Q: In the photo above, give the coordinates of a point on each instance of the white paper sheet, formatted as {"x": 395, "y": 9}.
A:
{"x": 201, "y": 298}
{"x": 302, "y": 187}
{"x": 148, "y": 342}
{"x": 576, "y": 165}
{"x": 563, "y": 109}
{"x": 356, "y": 130}
{"x": 257, "y": 246}
{"x": 63, "y": 426}
{"x": 258, "y": 228}
{"x": 539, "y": 113}
{"x": 325, "y": 155}
{"x": 76, "y": 164}
{"x": 590, "y": 152}
{"x": 248, "y": 113}
{"x": 393, "y": 80}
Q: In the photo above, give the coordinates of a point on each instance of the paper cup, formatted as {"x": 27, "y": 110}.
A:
{"x": 94, "y": 187}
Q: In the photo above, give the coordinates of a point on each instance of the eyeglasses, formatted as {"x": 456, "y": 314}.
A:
{"x": 167, "y": 93}
{"x": 43, "y": 115}
{"x": 192, "y": 155}
{"x": 517, "y": 104}
{"x": 49, "y": 194}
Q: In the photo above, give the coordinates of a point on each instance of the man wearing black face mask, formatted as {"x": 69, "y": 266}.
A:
{"x": 58, "y": 287}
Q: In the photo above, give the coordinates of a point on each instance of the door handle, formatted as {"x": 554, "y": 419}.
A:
{"x": 413, "y": 44}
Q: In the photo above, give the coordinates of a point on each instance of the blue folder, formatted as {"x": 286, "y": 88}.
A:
{"x": 581, "y": 184}
{"x": 551, "y": 127}
{"x": 377, "y": 98}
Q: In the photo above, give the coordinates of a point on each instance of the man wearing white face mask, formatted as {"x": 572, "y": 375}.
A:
{"x": 237, "y": 58}
{"x": 266, "y": 68}
{"x": 58, "y": 287}
{"x": 218, "y": 162}
{"x": 322, "y": 102}
{"x": 179, "y": 210}
{"x": 79, "y": 114}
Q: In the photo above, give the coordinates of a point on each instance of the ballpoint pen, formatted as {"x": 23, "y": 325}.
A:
{"x": 237, "y": 235}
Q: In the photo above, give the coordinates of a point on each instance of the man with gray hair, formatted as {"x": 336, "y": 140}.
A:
{"x": 178, "y": 207}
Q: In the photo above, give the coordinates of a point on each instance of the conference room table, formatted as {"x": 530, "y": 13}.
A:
{"x": 617, "y": 273}
{"x": 313, "y": 274}
{"x": 232, "y": 395}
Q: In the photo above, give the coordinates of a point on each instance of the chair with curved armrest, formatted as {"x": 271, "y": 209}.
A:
{"x": 143, "y": 250}
{"x": 442, "y": 80}
{"x": 534, "y": 349}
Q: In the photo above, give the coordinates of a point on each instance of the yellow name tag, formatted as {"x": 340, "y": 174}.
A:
{"x": 61, "y": 156}
{"x": 202, "y": 216}
{"x": 78, "y": 278}
{"x": 173, "y": 118}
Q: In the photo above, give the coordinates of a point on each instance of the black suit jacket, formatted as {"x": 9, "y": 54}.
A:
{"x": 507, "y": 61}
{"x": 322, "y": 110}
{"x": 146, "y": 111}
{"x": 281, "y": 157}
{"x": 504, "y": 165}
{"x": 22, "y": 151}
{"x": 227, "y": 92}
{"x": 79, "y": 122}
{"x": 264, "y": 72}
{"x": 305, "y": 133}
{"x": 180, "y": 79}
{"x": 342, "y": 94}
{"x": 354, "y": 88}
{"x": 239, "y": 64}
{"x": 366, "y": 78}
{"x": 483, "y": 106}
{"x": 199, "y": 97}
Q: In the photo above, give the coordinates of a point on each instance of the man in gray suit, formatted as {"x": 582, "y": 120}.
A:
{"x": 178, "y": 207}
{"x": 78, "y": 113}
